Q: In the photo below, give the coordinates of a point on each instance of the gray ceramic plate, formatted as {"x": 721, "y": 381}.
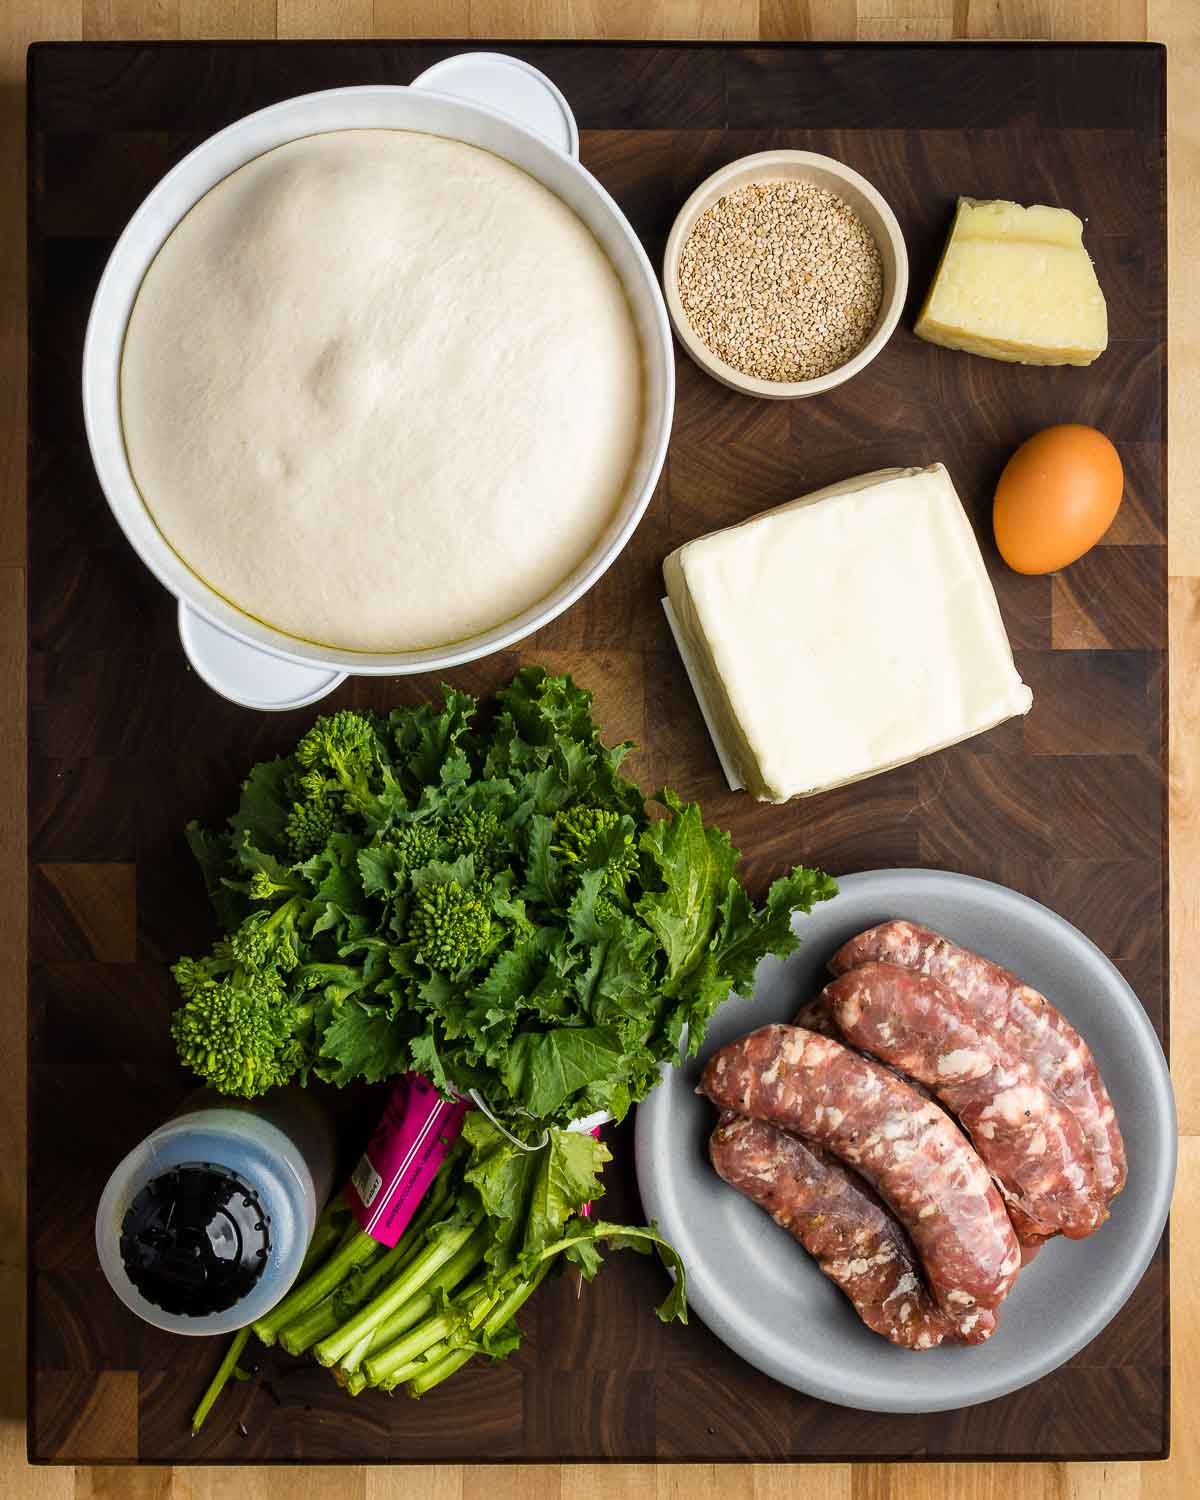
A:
{"x": 757, "y": 1289}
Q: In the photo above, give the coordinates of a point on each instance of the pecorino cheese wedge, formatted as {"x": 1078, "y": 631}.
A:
{"x": 1016, "y": 284}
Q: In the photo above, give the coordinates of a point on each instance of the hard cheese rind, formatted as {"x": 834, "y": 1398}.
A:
{"x": 1016, "y": 284}
{"x": 844, "y": 633}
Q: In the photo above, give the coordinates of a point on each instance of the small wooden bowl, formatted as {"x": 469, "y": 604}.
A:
{"x": 825, "y": 172}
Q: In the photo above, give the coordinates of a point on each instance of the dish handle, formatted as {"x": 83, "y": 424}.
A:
{"x": 247, "y": 675}
{"x": 507, "y": 86}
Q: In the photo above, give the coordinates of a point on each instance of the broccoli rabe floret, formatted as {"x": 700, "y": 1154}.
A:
{"x": 239, "y": 1032}
{"x": 450, "y": 925}
{"x": 606, "y": 911}
{"x": 264, "y": 887}
{"x": 192, "y": 975}
{"x": 309, "y": 826}
{"x": 477, "y": 833}
{"x": 590, "y": 836}
{"x": 415, "y": 843}
{"x": 341, "y": 753}
{"x": 267, "y": 939}
{"x": 238, "y": 1027}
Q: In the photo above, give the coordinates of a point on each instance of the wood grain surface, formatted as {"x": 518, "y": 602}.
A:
{"x": 78, "y": 913}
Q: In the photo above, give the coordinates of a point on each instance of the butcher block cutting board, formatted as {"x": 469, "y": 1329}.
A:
{"x": 126, "y": 744}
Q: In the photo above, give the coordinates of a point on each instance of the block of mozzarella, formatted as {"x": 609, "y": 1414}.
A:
{"x": 1016, "y": 283}
{"x": 842, "y": 634}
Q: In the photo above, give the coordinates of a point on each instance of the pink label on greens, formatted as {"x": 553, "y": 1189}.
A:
{"x": 410, "y": 1142}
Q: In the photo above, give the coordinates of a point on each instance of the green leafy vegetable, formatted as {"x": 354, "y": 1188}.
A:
{"x": 493, "y": 906}
{"x": 489, "y": 905}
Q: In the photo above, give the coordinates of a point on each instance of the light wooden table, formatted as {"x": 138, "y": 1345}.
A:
{"x": 1176, "y": 22}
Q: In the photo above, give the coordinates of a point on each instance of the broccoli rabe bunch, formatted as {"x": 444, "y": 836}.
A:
{"x": 488, "y": 904}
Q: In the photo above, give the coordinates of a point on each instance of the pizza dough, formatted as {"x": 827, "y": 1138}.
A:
{"x": 381, "y": 390}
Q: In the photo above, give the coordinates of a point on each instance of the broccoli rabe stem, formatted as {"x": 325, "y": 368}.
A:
{"x": 426, "y": 1265}
{"x": 425, "y": 1335}
{"x": 304, "y": 1331}
{"x": 331, "y": 1226}
{"x": 349, "y": 1363}
{"x": 359, "y": 1249}
{"x": 306, "y": 1319}
{"x": 225, "y": 1372}
{"x": 314, "y": 1323}
{"x": 283, "y": 914}
{"x": 501, "y": 1314}
{"x": 318, "y": 1319}
{"x": 423, "y": 1303}
{"x": 406, "y": 1372}
{"x": 427, "y": 1375}
{"x": 473, "y": 1302}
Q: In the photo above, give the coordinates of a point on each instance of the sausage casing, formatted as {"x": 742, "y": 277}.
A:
{"x": 839, "y": 1220}
{"x": 1034, "y": 1146}
{"x": 1024, "y": 1019}
{"x": 916, "y": 1159}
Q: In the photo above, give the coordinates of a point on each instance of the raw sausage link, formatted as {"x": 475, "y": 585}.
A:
{"x": 817, "y": 1016}
{"x": 1033, "y": 1146}
{"x": 915, "y": 1158}
{"x": 1023, "y": 1019}
{"x": 839, "y": 1221}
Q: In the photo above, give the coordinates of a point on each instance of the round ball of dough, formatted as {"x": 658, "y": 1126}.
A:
{"x": 381, "y": 390}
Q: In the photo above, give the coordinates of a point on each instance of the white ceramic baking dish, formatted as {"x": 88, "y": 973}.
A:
{"x": 486, "y": 100}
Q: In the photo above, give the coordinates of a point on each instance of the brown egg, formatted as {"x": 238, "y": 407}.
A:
{"x": 1056, "y": 498}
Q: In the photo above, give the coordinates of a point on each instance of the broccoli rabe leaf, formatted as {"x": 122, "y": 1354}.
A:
{"x": 545, "y": 1069}
{"x": 531, "y": 1194}
{"x": 426, "y": 1060}
{"x": 521, "y": 979}
{"x": 618, "y": 986}
{"x": 381, "y": 868}
{"x": 362, "y": 1041}
{"x": 277, "y": 879}
{"x": 543, "y": 876}
{"x": 695, "y": 865}
{"x": 583, "y": 1237}
{"x": 267, "y": 799}
{"x": 213, "y": 852}
{"x": 502, "y": 1342}
{"x": 748, "y": 933}
{"x": 427, "y": 741}
{"x": 334, "y": 875}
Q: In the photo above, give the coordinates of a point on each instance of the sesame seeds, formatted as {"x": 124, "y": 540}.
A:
{"x": 781, "y": 280}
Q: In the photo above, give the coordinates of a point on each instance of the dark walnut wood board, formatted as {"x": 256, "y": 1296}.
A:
{"x": 126, "y": 744}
